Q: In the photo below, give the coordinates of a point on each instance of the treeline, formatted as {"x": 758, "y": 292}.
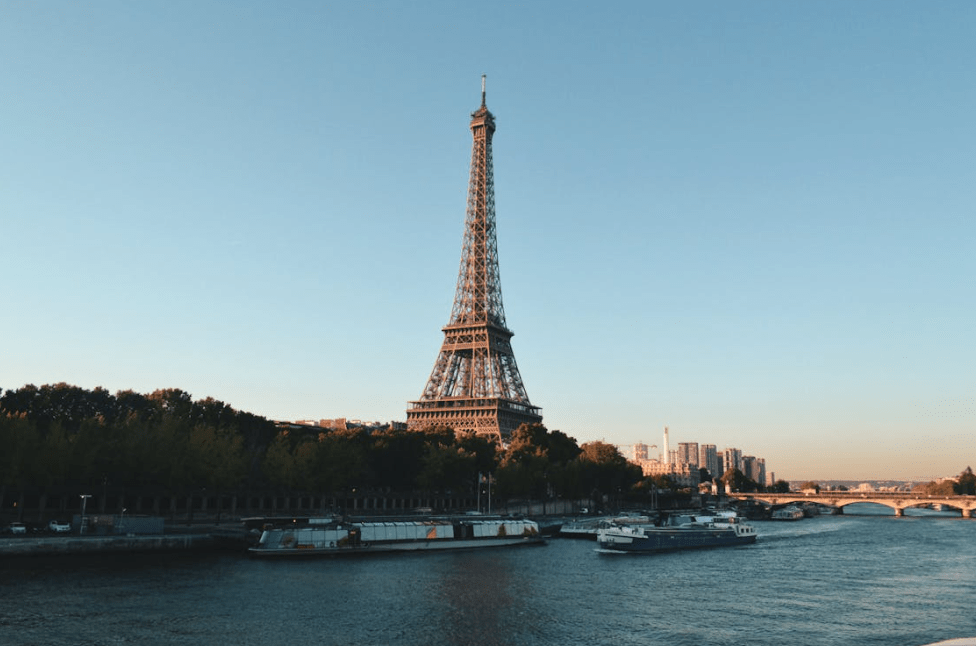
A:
{"x": 61, "y": 437}
{"x": 964, "y": 485}
{"x": 64, "y": 437}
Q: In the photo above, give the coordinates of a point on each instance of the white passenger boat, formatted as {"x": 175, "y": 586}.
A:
{"x": 790, "y": 512}
{"x": 680, "y": 533}
{"x": 332, "y": 536}
{"x": 587, "y": 528}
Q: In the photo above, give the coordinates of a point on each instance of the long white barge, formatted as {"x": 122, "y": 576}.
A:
{"x": 334, "y": 537}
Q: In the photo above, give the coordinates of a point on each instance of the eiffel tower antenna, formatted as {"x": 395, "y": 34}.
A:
{"x": 475, "y": 386}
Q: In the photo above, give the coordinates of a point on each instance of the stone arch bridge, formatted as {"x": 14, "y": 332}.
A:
{"x": 899, "y": 501}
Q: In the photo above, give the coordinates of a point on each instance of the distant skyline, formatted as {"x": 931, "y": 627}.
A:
{"x": 750, "y": 222}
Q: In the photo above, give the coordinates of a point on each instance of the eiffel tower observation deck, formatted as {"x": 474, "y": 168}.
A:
{"x": 475, "y": 386}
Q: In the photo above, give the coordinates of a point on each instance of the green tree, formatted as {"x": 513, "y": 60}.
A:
{"x": 21, "y": 445}
{"x": 340, "y": 462}
{"x": 563, "y": 449}
{"x": 447, "y": 468}
{"x": 280, "y": 466}
{"x": 966, "y": 483}
{"x": 780, "y": 486}
{"x": 173, "y": 461}
{"x": 607, "y": 471}
{"x": 218, "y": 457}
{"x": 484, "y": 450}
{"x": 942, "y": 488}
{"x": 173, "y": 401}
{"x": 661, "y": 481}
{"x": 54, "y": 460}
{"x": 396, "y": 458}
{"x": 735, "y": 480}
{"x": 537, "y": 462}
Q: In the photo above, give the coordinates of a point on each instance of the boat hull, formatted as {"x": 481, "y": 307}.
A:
{"x": 699, "y": 534}
{"x": 667, "y": 540}
{"x": 316, "y": 538}
{"x": 399, "y": 546}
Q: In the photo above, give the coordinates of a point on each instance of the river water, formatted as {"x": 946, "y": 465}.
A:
{"x": 832, "y": 580}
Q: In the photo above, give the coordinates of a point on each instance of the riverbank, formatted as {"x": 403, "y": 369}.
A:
{"x": 203, "y": 537}
{"x": 65, "y": 545}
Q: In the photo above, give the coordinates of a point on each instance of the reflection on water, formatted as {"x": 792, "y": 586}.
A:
{"x": 876, "y": 509}
{"x": 478, "y": 598}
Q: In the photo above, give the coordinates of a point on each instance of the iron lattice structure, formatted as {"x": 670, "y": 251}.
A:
{"x": 475, "y": 386}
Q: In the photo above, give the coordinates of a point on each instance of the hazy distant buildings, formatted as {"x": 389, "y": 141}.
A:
{"x": 339, "y": 424}
{"x": 673, "y": 464}
{"x": 683, "y": 465}
{"x": 640, "y": 453}
{"x": 683, "y": 475}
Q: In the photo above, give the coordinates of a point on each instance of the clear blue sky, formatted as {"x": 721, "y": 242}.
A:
{"x": 751, "y": 222}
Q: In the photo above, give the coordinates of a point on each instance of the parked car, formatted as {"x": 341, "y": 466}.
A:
{"x": 58, "y": 527}
{"x": 17, "y": 528}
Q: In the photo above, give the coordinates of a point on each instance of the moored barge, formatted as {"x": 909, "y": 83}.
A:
{"x": 335, "y": 537}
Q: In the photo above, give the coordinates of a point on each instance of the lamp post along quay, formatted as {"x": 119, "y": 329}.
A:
{"x": 84, "y": 520}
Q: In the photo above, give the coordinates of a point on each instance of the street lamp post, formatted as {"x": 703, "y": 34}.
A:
{"x": 122, "y": 521}
{"x": 84, "y": 503}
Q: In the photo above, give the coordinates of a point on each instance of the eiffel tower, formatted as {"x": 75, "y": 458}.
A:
{"x": 475, "y": 386}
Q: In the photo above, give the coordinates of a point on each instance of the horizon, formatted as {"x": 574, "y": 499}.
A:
{"x": 752, "y": 224}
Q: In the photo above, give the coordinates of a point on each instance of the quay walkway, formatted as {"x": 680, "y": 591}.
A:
{"x": 61, "y": 545}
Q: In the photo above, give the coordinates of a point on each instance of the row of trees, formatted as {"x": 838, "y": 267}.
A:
{"x": 964, "y": 485}
{"x": 62, "y": 437}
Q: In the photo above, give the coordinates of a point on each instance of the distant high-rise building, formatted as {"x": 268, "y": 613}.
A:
{"x": 688, "y": 453}
{"x": 667, "y": 448}
{"x": 640, "y": 452}
{"x": 733, "y": 459}
{"x": 708, "y": 458}
{"x": 750, "y": 468}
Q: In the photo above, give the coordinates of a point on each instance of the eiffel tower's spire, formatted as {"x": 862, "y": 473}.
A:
{"x": 478, "y": 297}
{"x": 475, "y": 385}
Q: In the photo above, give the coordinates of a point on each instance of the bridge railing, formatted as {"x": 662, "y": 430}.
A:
{"x": 852, "y": 494}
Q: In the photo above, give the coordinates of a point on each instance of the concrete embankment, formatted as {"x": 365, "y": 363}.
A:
{"x": 58, "y": 545}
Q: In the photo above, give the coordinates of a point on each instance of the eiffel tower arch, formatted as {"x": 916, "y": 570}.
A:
{"x": 475, "y": 386}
